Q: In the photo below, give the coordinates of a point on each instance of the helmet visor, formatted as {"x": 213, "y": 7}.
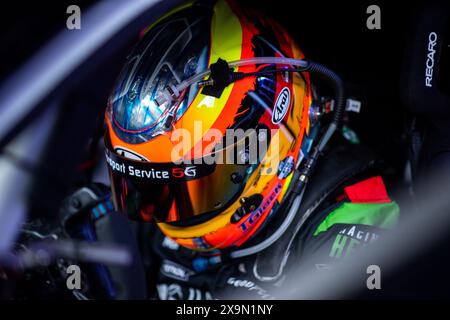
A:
{"x": 169, "y": 192}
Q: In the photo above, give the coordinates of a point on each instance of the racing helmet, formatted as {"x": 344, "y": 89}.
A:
{"x": 195, "y": 76}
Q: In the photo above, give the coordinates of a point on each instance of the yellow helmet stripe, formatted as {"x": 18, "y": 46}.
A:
{"x": 226, "y": 43}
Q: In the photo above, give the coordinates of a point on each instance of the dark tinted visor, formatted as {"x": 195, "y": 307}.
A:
{"x": 169, "y": 192}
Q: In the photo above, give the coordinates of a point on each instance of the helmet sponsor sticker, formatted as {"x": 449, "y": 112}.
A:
{"x": 155, "y": 172}
{"x": 281, "y": 105}
{"x": 285, "y": 167}
{"x": 266, "y": 204}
